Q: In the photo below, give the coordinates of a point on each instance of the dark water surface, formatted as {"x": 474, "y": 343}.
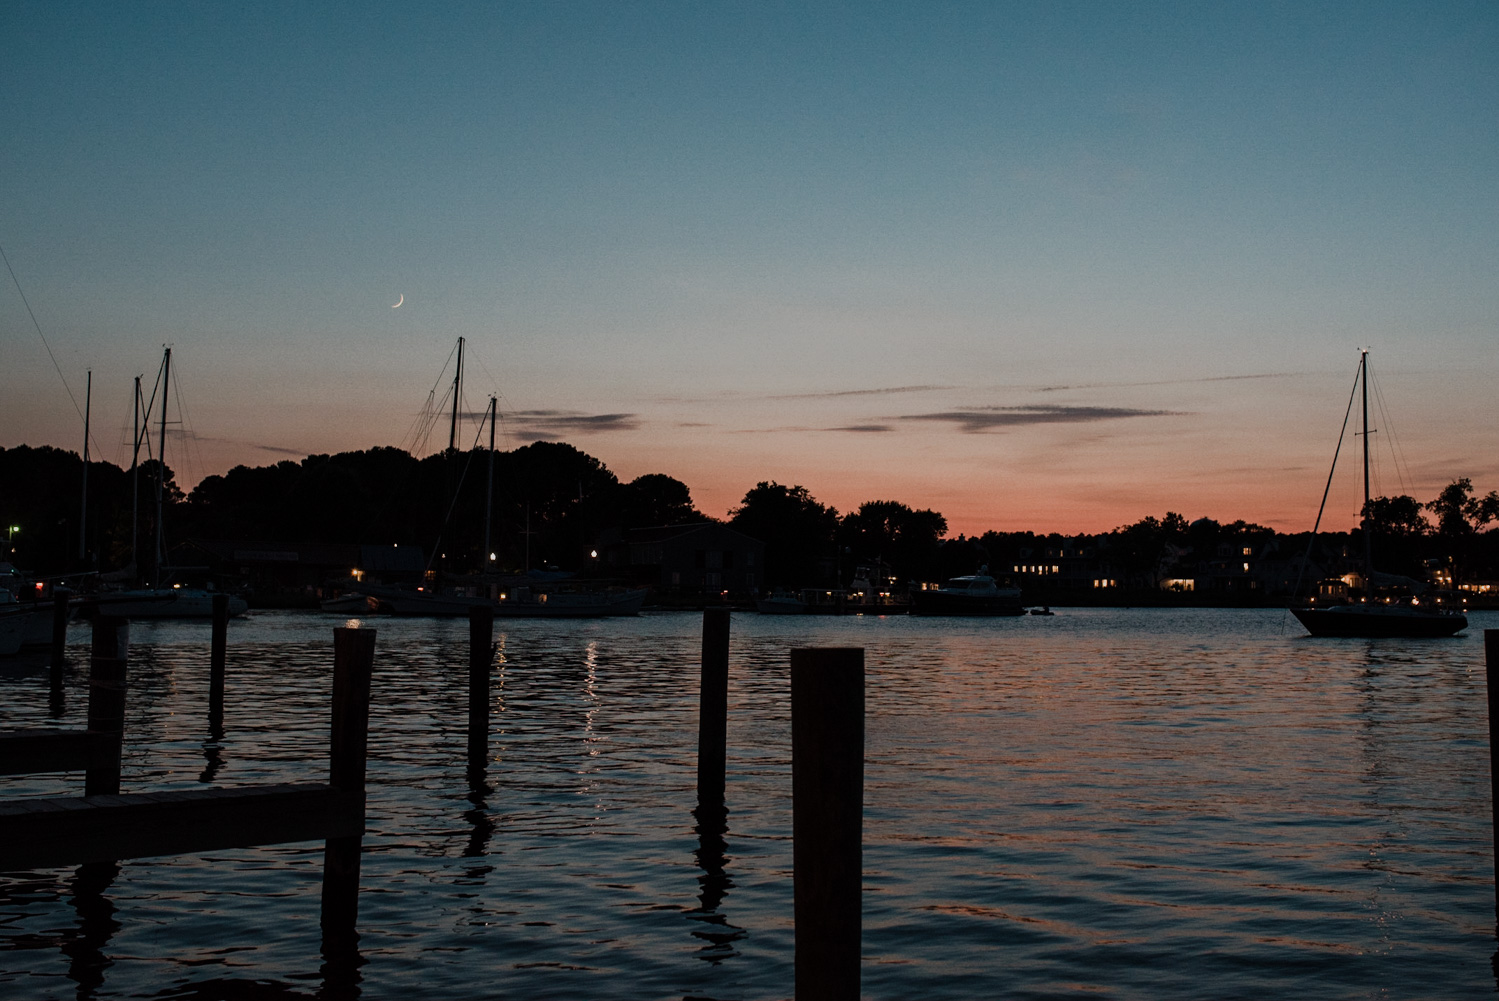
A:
{"x": 1103, "y": 804}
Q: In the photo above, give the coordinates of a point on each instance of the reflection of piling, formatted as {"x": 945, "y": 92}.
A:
{"x": 60, "y": 596}
{"x": 216, "y": 662}
{"x": 353, "y": 662}
{"x": 106, "y": 702}
{"x": 713, "y": 707}
{"x": 1491, "y": 675}
{"x": 827, "y": 790}
{"x": 480, "y": 660}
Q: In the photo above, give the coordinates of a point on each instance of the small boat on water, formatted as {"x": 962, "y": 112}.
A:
{"x": 163, "y": 603}
{"x": 781, "y": 603}
{"x": 515, "y": 600}
{"x": 26, "y": 610}
{"x": 14, "y": 624}
{"x": 570, "y": 603}
{"x": 349, "y": 603}
{"x": 976, "y": 594}
{"x": 1376, "y": 614}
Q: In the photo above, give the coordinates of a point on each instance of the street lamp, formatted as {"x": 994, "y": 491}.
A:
{"x": 10, "y": 534}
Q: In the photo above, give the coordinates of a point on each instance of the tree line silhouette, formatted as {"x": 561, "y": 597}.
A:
{"x": 549, "y": 503}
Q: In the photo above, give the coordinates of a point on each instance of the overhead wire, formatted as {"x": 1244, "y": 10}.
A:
{"x": 29, "y": 312}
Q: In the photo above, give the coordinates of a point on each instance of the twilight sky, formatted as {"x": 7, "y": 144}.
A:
{"x": 1043, "y": 265}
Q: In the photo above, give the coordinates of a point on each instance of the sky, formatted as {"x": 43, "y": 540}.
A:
{"x": 1049, "y": 266}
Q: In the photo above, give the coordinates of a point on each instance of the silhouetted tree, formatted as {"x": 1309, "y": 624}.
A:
{"x": 891, "y": 531}
{"x": 656, "y": 499}
{"x": 1141, "y": 550}
{"x": 797, "y": 531}
{"x": 1460, "y": 516}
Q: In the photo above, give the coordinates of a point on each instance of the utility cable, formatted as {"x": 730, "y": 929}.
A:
{"x": 21, "y": 292}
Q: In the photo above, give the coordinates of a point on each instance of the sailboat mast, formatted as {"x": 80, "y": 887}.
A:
{"x": 1363, "y": 363}
{"x": 88, "y": 401}
{"x": 489, "y": 489}
{"x": 457, "y": 391}
{"x": 135, "y": 476}
{"x": 161, "y": 460}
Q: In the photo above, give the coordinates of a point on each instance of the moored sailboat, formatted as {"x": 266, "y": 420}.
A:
{"x": 158, "y": 600}
{"x": 1375, "y": 615}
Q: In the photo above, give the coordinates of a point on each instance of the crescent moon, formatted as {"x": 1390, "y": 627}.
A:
{"x": 399, "y": 301}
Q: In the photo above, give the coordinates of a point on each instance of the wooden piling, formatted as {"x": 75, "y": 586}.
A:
{"x": 216, "y": 657}
{"x": 713, "y": 708}
{"x": 480, "y": 660}
{"x": 60, "y": 596}
{"x": 106, "y": 701}
{"x": 827, "y": 790}
{"x": 1491, "y": 677}
{"x": 353, "y": 663}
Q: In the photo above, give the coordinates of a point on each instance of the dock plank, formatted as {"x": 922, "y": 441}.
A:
{"x": 46, "y": 833}
{"x": 34, "y": 752}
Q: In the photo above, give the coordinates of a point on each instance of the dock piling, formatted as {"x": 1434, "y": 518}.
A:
{"x": 480, "y": 661}
{"x": 827, "y": 791}
{"x": 60, "y": 596}
{"x": 713, "y": 708}
{"x": 1491, "y": 677}
{"x": 216, "y": 658}
{"x": 106, "y": 701}
{"x": 353, "y": 663}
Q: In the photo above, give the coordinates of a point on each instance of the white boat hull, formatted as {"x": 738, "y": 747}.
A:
{"x": 164, "y": 603}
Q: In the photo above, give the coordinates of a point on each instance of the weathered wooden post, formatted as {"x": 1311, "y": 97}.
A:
{"x": 106, "y": 701}
{"x": 353, "y": 663}
{"x": 713, "y": 708}
{"x": 1491, "y": 677}
{"x": 480, "y": 660}
{"x": 217, "y": 650}
{"x": 60, "y": 596}
{"x": 827, "y": 792}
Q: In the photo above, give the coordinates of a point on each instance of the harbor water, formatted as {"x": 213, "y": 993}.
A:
{"x": 1106, "y": 803}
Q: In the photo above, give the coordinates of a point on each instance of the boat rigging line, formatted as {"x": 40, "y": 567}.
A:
{"x": 22, "y": 293}
{"x": 1301, "y": 570}
{"x": 462, "y": 475}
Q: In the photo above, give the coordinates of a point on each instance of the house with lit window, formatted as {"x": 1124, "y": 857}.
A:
{"x": 1073, "y": 566}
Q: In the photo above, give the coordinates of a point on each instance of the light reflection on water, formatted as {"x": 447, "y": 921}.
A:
{"x": 1116, "y": 803}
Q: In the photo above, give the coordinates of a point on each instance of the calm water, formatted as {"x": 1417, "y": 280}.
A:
{"x": 1107, "y": 803}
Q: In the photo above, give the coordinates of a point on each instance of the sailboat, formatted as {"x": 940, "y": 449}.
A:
{"x": 1375, "y": 615}
{"x": 534, "y": 595}
{"x": 160, "y": 600}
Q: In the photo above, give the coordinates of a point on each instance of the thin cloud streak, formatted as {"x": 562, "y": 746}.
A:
{"x": 550, "y": 424}
{"x": 977, "y": 420}
{"x": 1162, "y": 382}
{"x": 837, "y": 393}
